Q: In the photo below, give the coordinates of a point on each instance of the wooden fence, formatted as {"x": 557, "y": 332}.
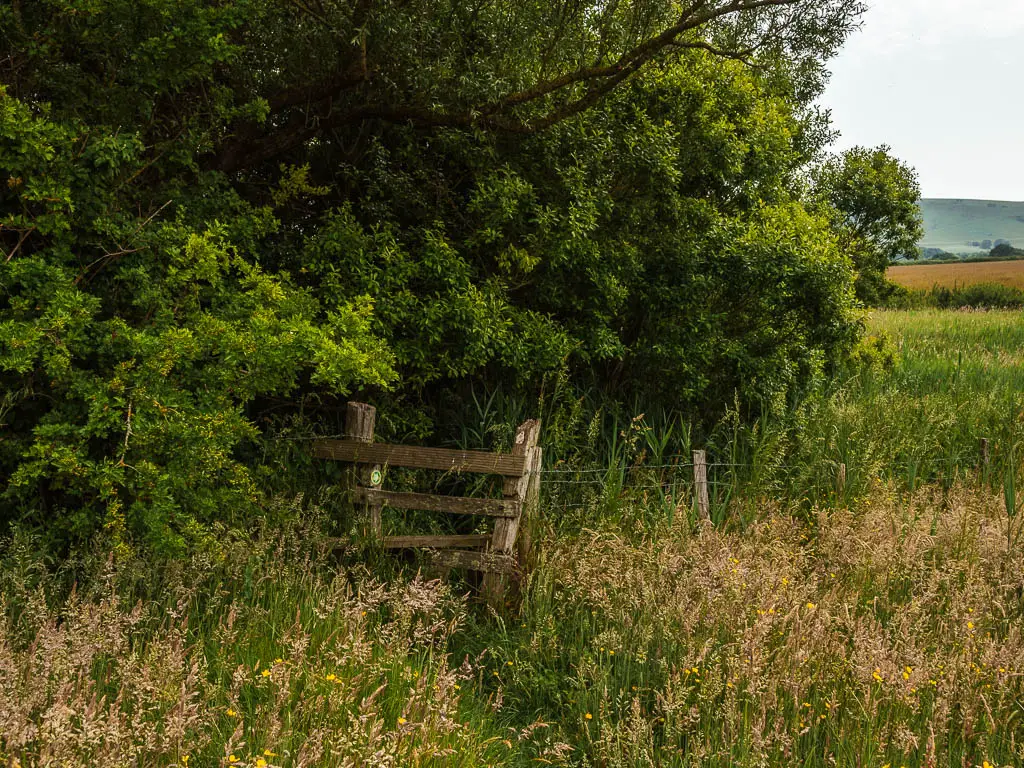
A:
{"x": 494, "y": 554}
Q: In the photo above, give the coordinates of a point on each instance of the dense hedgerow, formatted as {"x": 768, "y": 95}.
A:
{"x": 218, "y": 221}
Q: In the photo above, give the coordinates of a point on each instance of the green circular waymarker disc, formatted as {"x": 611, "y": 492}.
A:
{"x": 375, "y": 477}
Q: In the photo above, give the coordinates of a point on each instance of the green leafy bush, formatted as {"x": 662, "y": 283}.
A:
{"x": 131, "y": 345}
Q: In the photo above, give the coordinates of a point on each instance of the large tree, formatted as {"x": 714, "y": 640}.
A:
{"x": 213, "y": 212}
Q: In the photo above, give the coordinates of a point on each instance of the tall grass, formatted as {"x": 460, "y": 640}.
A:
{"x": 880, "y": 627}
{"x": 911, "y": 410}
{"x": 890, "y": 634}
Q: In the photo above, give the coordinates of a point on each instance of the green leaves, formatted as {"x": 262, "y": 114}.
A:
{"x": 132, "y": 344}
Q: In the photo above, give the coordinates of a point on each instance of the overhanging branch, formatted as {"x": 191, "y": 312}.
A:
{"x": 500, "y": 115}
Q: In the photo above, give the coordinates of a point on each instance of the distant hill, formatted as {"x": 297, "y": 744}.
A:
{"x": 953, "y": 225}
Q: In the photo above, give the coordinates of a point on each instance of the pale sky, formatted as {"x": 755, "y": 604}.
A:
{"x": 941, "y": 82}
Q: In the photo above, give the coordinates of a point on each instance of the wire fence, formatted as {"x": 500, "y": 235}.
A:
{"x": 672, "y": 478}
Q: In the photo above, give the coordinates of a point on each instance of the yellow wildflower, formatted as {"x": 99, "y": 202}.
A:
{"x": 265, "y": 673}
{"x": 232, "y": 759}
{"x": 402, "y": 721}
{"x": 261, "y": 763}
{"x": 331, "y": 676}
{"x": 588, "y": 716}
{"x": 877, "y": 674}
{"x": 970, "y": 625}
{"x": 232, "y": 713}
{"x": 811, "y": 606}
{"x": 268, "y": 753}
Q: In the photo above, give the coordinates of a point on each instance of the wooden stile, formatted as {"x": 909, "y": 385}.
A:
{"x": 520, "y": 490}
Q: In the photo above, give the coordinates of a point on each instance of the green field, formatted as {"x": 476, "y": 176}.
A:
{"x": 878, "y": 627}
{"x": 952, "y": 224}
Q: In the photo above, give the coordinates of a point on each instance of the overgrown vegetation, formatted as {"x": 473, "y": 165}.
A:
{"x": 876, "y": 627}
{"x": 219, "y": 221}
{"x": 880, "y": 633}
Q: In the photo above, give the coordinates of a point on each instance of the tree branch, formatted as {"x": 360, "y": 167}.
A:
{"x": 497, "y": 115}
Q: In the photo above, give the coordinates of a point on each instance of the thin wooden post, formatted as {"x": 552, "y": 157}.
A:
{"x": 360, "y": 420}
{"x": 700, "y": 484}
{"x": 514, "y": 488}
{"x": 985, "y": 459}
{"x": 841, "y": 481}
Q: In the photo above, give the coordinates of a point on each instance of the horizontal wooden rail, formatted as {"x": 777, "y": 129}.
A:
{"x": 445, "y": 459}
{"x": 405, "y": 542}
{"x": 488, "y": 562}
{"x": 429, "y": 502}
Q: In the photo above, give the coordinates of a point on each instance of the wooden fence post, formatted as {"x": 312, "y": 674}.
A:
{"x": 700, "y": 484}
{"x": 515, "y": 489}
{"x": 524, "y": 544}
{"x": 360, "y": 420}
{"x": 985, "y": 455}
{"x": 840, "y": 481}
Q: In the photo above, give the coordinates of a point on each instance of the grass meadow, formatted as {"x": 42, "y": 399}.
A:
{"x": 880, "y": 624}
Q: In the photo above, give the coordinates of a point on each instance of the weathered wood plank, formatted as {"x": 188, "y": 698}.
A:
{"x": 488, "y": 562}
{"x": 439, "y": 542}
{"x": 445, "y": 459}
{"x": 429, "y": 502}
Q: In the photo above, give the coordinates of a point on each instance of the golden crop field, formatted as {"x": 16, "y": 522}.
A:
{"x": 925, "y": 276}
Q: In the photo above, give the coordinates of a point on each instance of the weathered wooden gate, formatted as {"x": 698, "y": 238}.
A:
{"x": 494, "y": 554}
